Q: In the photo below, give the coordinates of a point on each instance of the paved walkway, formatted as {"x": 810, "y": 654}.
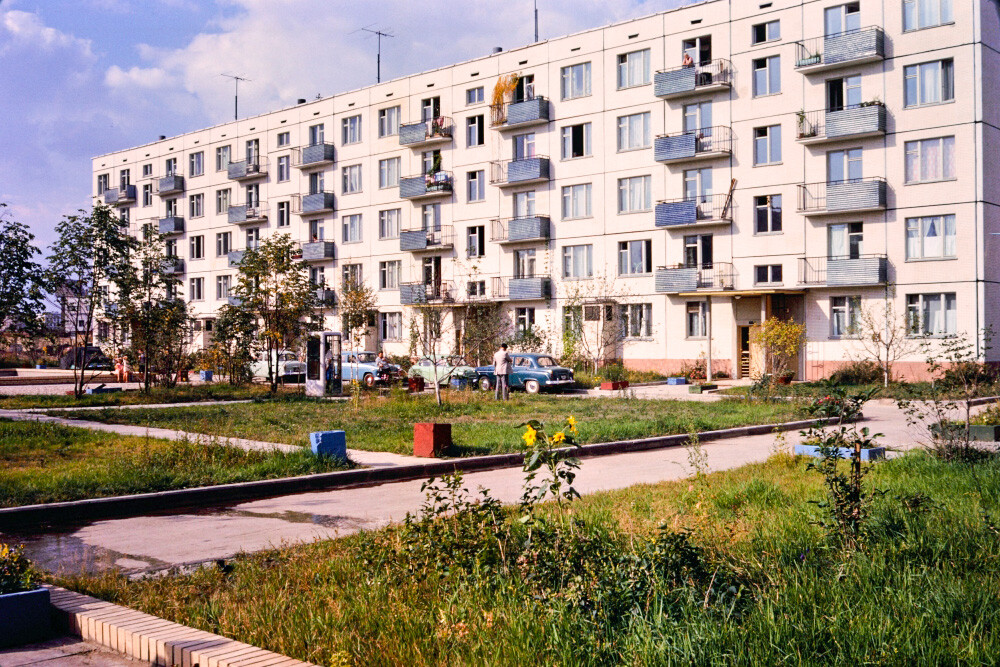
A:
{"x": 64, "y": 652}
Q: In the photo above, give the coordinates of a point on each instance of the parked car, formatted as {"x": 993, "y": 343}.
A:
{"x": 96, "y": 359}
{"x": 285, "y": 361}
{"x": 531, "y": 372}
{"x": 444, "y": 368}
{"x": 361, "y": 366}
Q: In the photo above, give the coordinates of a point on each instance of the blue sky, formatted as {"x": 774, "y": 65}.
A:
{"x": 86, "y": 77}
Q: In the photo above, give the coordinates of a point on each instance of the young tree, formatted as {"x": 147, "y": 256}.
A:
{"x": 781, "y": 341}
{"x": 884, "y": 336}
{"x": 592, "y": 327}
{"x": 358, "y": 307}
{"x": 428, "y": 328}
{"x": 233, "y": 343}
{"x": 21, "y": 280}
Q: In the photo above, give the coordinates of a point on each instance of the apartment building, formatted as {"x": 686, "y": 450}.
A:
{"x": 685, "y": 175}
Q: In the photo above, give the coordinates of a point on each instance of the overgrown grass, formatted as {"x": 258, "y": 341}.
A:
{"x": 479, "y": 424}
{"x": 183, "y": 393}
{"x": 587, "y": 379}
{"x": 42, "y": 463}
{"x": 922, "y": 590}
{"x": 904, "y": 390}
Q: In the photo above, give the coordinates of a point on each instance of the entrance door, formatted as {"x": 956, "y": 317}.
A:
{"x": 751, "y": 362}
{"x": 744, "y": 361}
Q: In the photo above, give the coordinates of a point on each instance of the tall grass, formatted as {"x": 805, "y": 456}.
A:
{"x": 182, "y": 393}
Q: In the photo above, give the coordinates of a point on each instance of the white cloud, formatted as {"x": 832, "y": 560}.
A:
{"x": 26, "y": 28}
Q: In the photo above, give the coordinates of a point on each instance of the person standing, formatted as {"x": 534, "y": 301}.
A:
{"x": 501, "y": 368}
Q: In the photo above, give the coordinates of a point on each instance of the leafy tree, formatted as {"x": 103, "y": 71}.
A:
{"x": 358, "y": 307}
{"x": 20, "y": 278}
{"x": 484, "y": 327}
{"x": 781, "y": 341}
{"x": 233, "y": 343}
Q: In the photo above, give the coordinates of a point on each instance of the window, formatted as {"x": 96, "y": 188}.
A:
{"x": 697, "y": 319}
{"x": 635, "y": 257}
{"x": 845, "y": 240}
{"x": 767, "y": 145}
{"x": 524, "y": 146}
{"x": 253, "y": 151}
{"x": 125, "y": 178}
{"x": 284, "y": 213}
{"x": 147, "y": 194}
{"x": 931, "y": 237}
{"x": 196, "y": 163}
{"x": 284, "y": 139}
{"x": 352, "y": 179}
{"x": 699, "y": 49}
{"x": 147, "y": 170}
{"x": 388, "y": 172}
{"x": 635, "y": 194}
{"x": 698, "y": 251}
{"x": 932, "y": 314}
{"x": 930, "y": 160}
{"x": 197, "y": 289}
{"x": 391, "y": 326}
{"x": 578, "y": 261}
{"x": 474, "y": 96}
{"x": 223, "y": 243}
{"x": 926, "y": 13}
{"x": 524, "y": 204}
{"x": 170, "y": 166}
{"x": 316, "y": 182}
{"x": 431, "y": 217}
{"x": 388, "y": 274}
{"x": 253, "y": 195}
{"x": 766, "y": 32}
{"x": 525, "y": 88}
{"x": 317, "y": 276}
{"x": 197, "y": 247}
{"x": 475, "y": 288}
{"x": 767, "y": 214}
{"x": 698, "y": 116}
{"x": 388, "y": 122}
{"x": 284, "y": 168}
{"x": 316, "y": 230}
{"x": 843, "y": 166}
{"x": 253, "y": 238}
{"x": 698, "y": 184}
{"x": 196, "y": 205}
{"x": 524, "y": 319}
{"x": 351, "y": 227}
{"x": 353, "y": 274}
{"x": 845, "y": 315}
{"x": 171, "y": 208}
{"x": 222, "y": 157}
{"x": 476, "y": 241}
{"x": 576, "y": 201}
{"x": 841, "y": 19}
{"x": 633, "y": 69}
{"x": 388, "y": 224}
{"x": 123, "y": 217}
{"x": 767, "y": 274}
{"x": 103, "y": 181}
{"x": 351, "y": 129}
{"x": 633, "y": 131}
{"x": 430, "y": 162}
{"x": 576, "y": 81}
{"x": 475, "y": 131}
{"x": 637, "y": 320}
{"x": 576, "y": 141}
{"x": 766, "y": 76}
{"x": 430, "y": 108}
{"x": 316, "y": 134}
{"x": 477, "y": 185}
{"x": 222, "y": 284}
{"x": 524, "y": 263}
{"x": 929, "y": 83}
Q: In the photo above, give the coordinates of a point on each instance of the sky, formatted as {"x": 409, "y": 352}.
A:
{"x": 80, "y": 78}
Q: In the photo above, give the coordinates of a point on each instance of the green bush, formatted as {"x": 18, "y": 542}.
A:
{"x": 16, "y": 574}
{"x": 857, "y": 372}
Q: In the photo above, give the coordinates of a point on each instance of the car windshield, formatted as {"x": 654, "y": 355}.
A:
{"x": 364, "y": 357}
{"x": 456, "y": 361}
{"x": 288, "y": 356}
{"x": 546, "y": 362}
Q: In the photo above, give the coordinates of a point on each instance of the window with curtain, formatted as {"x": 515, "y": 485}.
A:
{"x": 576, "y": 201}
{"x": 351, "y": 225}
{"x": 919, "y": 14}
{"x": 635, "y": 257}
{"x": 930, "y": 160}
{"x": 575, "y": 81}
{"x": 845, "y": 240}
{"x": 635, "y": 194}
{"x": 578, "y": 261}
{"x": 634, "y": 131}
{"x": 932, "y": 314}
{"x": 633, "y": 69}
{"x": 845, "y": 313}
{"x": 930, "y": 237}
{"x": 388, "y": 172}
{"x": 929, "y": 83}
{"x": 697, "y": 321}
{"x": 388, "y": 223}
{"x": 637, "y": 320}
{"x": 698, "y": 184}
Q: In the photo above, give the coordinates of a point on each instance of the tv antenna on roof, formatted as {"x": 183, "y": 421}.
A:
{"x": 236, "y": 98}
{"x": 378, "y": 59}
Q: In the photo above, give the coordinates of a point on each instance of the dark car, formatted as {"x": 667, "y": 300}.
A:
{"x": 96, "y": 359}
{"x": 531, "y": 372}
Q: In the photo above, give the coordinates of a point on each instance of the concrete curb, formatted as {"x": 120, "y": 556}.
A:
{"x": 147, "y": 503}
{"x": 151, "y": 639}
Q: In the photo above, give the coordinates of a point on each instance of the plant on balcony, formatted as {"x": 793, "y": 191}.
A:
{"x": 437, "y": 127}
{"x": 874, "y": 102}
{"x": 806, "y": 129}
{"x": 809, "y": 59}
{"x": 502, "y": 93}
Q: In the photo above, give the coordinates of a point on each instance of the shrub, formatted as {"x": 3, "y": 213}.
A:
{"x": 16, "y": 574}
{"x": 858, "y": 372}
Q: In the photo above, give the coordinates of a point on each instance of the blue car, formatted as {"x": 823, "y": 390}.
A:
{"x": 361, "y": 366}
{"x": 531, "y": 372}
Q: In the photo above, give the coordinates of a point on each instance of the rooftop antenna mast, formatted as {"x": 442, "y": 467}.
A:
{"x": 378, "y": 58}
{"x": 536, "y": 20}
{"x": 236, "y": 98}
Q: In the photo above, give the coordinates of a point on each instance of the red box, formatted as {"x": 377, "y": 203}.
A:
{"x": 431, "y": 440}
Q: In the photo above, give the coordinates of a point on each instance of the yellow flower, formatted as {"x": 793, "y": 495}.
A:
{"x": 572, "y": 423}
{"x": 558, "y": 438}
{"x": 530, "y": 436}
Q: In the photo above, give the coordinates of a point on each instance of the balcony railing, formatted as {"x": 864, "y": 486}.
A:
{"x": 701, "y": 210}
{"x": 326, "y": 297}
{"x": 525, "y": 170}
{"x": 518, "y": 230}
{"x": 695, "y": 79}
{"x": 171, "y": 224}
{"x": 520, "y": 114}
{"x": 235, "y": 257}
{"x": 169, "y": 185}
{"x": 416, "y": 240}
{"x": 703, "y": 144}
{"x": 522, "y": 289}
{"x": 435, "y": 130}
{"x": 119, "y": 196}
{"x": 436, "y": 184}
{"x": 314, "y": 155}
{"x": 844, "y": 271}
{"x": 313, "y": 203}
{"x": 416, "y": 294}
{"x": 861, "y": 120}
{"x": 840, "y": 50}
{"x": 173, "y": 265}
{"x": 318, "y": 251}
{"x": 244, "y": 170}
{"x": 245, "y": 213}
{"x": 856, "y": 195}
{"x": 716, "y": 276}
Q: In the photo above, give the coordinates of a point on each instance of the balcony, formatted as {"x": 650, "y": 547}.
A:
{"x": 844, "y": 271}
{"x": 313, "y": 204}
{"x": 244, "y": 213}
{"x": 120, "y": 196}
{"x": 326, "y": 297}
{"x": 173, "y": 265}
{"x": 506, "y": 173}
{"x": 522, "y": 289}
{"x": 854, "y": 196}
{"x": 700, "y": 212}
{"x": 427, "y": 186}
{"x": 421, "y": 294}
{"x": 313, "y": 156}
{"x": 427, "y": 132}
{"x": 525, "y": 113}
{"x": 170, "y": 185}
{"x": 678, "y": 82}
{"x": 235, "y": 257}
{"x": 246, "y": 170}
{"x": 855, "y": 122}
{"x": 717, "y": 276}
{"x": 318, "y": 251}
{"x": 705, "y": 144}
{"x": 430, "y": 240}
{"x": 841, "y": 50}
{"x": 172, "y": 224}
{"x": 521, "y": 230}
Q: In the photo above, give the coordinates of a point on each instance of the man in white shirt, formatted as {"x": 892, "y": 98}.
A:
{"x": 501, "y": 368}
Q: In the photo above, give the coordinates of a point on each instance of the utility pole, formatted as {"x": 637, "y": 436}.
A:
{"x": 378, "y": 58}
{"x": 236, "y": 98}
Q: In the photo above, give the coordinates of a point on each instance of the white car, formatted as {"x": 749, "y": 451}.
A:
{"x": 285, "y": 362}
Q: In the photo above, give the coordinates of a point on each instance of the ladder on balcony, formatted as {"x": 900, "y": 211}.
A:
{"x": 729, "y": 199}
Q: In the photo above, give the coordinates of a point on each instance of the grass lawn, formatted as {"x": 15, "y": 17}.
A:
{"x": 479, "y": 424}
{"x": 922, "y": 589}
{"x": 912, "y": 390}
{"x": 182, "y": 393}
{"x": 43, "y": 463}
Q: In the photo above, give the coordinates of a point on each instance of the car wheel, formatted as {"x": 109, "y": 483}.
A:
{"x": 532, "y": 386}
{"x": 369, "y": 380}
{"x": 485, "y": 384}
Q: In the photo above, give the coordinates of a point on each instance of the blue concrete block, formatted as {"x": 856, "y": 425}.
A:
{"x": 329, "y": 443}
{"x": 24, "y": 617}
{"x": 679, "y": 380}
